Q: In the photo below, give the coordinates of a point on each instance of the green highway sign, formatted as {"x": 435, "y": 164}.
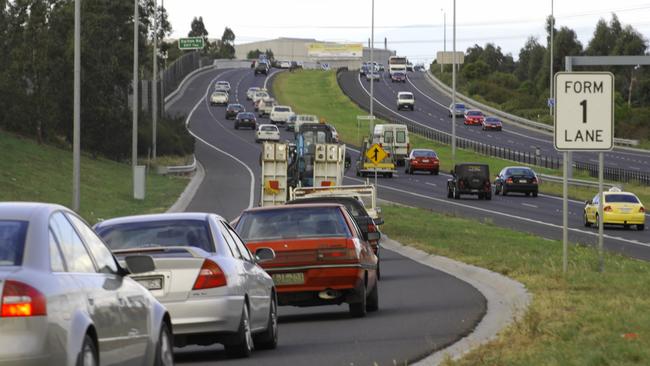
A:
{"x": 192, "y": 43}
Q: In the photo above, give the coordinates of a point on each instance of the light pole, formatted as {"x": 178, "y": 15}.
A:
{"x": 453, "y": 95}
{"x": 444, "y": 32}
{"x": 154, "y": 91}
{"x": 76, "y": 139}
{"x": 372, "y": 68}
{"x": 134, "y": 134}
{"x": 550, "y": 90}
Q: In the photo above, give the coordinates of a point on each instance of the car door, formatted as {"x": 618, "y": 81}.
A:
{"x": 132, "y": 303}
{"x": 592, "y": 209}
{"x": 257, "y": 283}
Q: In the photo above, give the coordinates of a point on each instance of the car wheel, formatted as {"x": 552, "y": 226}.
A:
{"x": 257, "y": 141}
{"x": 481, "y": 196}
{"x": 88, "y": 354}
{"x": 242, "y": 344}
{"x": 389, "y": 175}
{"x": 449, "y": 193}
{"x": 586, "y": 221}
{"x": 640, "y": 227}
{"x": 597, "y": 222}
{"x": 236, "y": 126}
{"x": 534, "y": 194}
{"x": 164, "y": 348}
{"x": 456, "y": 193}
{"x": 358, "y": 309}
{"x": 504, "y": 191}
{"x": 269, "y": 338}
{"x": 488, "y": 196}
{"x": 373, "y": 299}
{"x": 527, "y": 194}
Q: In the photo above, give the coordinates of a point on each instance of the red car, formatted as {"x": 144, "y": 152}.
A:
{"x": 422, "y": 159}
{"x": 474, "y": 117}
{"x": 321, "y": 255}
{"x": 492, "y": 123}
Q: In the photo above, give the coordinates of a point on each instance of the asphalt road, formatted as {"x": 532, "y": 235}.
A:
{"x": 421, "y": 309}
{"x": 432, "y": 110}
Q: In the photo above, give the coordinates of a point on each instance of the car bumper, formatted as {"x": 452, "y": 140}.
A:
{"x": 624, "y": 219}
{"x": 523, "y": 187}
{"x": 472, "y": 122}
{"x": 424, "y": 166}
{"x": 496, "y": 128}
{"x": 247, "y": 124}
{"x": 31, "y": 341}
{"x": 220, "y": 314}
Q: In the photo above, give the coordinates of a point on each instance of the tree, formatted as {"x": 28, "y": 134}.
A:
{"x": 198, "y": 30}
{"x": 530, "y": 60}
{"x": 227, "y": 45}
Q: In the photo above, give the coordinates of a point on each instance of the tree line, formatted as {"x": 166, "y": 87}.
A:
{"x": 522, "y": 87}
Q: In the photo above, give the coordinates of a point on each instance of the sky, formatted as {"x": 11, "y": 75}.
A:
{"x": 414, "y": 28}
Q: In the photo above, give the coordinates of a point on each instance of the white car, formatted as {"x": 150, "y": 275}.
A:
{"x": 251, "y": 91}
{"x": 280, "y": 114}
{"x": 259, "y": 95}
{"x": 219, "y": 98}
{"x": 222, "y": 86}
{"x": 405, "y": 100}
{"x": 304, "y": 118}
{"x": 266, "y": 106}
{"x": 211, "y": 284}
{"x": 266, "y": 132}
{"x": 285, "y": 64}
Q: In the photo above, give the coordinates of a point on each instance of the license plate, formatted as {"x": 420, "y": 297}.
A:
{"x": 288, "y": 278}
{"x": 474, "y": 190}
{"x": 154, "y": 283}
{"x": 522, "y": 181}
{"x": 425, "y": 160}
{"x": 626, "y": 210}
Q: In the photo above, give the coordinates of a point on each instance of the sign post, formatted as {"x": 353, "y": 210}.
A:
{"x": 376, "y": 154}
{"x": 584, "y": 121}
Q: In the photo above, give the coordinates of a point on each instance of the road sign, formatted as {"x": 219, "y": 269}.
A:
{"x": 447, "y": 58}
{"x": 550, "y": 102}
{"x": 191, "y": 43}
{"x": 376, "y": 154}
{"x": 584, "y": 114}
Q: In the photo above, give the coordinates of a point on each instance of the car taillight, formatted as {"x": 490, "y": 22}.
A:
{"x": 372, "y": 227}
{"x": 461, "y": 183}
{"x": 210, "y": 276}
{"x": 607, "y": 209}
{"x": 336, "y": 254}
{"x": 641, "y": 209}
{"x": 509, "y": 180}
{"x": 534, "y": 181}
{"x": 22, "y": 300}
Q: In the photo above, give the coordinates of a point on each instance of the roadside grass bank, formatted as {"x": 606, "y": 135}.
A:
{"x": 42, "y": 173}
{"x": 583, "y": 318}
{"x": 317, "y": 92}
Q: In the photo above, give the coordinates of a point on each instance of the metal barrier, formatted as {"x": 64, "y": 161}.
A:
{"x": 576, "y": 182}
{"x": 615, "y": 174}
{"x": 179, "y": 169}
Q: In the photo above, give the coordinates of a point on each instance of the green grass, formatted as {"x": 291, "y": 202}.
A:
{"x": 32, "y": 172}
{"x": 317, "y": 92}
{"x": 578, "y": 319}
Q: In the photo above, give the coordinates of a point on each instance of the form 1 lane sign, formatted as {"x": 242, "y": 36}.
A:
{"x": 584, "y": 112}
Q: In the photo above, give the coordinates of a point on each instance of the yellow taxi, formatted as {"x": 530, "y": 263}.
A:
{"x": 619, "y": 208}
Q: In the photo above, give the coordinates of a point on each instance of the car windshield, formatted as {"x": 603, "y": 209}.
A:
{"x": 235, "y": 106}
{"x": 424, "y": 154}
{"x": 406, "y": 96}
{"x": 219, "y": 94}
{"x": 621, "y": 198}
{"x": 302, "y": 222}
{"x": 247, "y": 115}
{"x": 492, "y": 119}
{"x": 163, "y": 233}
{"x": 520, "y": 171}
{"x": 460, "y": 106}
{"x": 480, "y": 170}
{"x": 12, "y": 242}
{"x": 268, "y": 128}
{"x": 282, "y": 109}
{"x": 474, "y": 113}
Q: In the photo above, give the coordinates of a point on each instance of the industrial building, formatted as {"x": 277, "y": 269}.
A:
{"x": 313, "y": 52}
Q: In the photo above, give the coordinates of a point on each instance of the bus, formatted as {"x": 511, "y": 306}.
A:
{"x": 397, "y": 63}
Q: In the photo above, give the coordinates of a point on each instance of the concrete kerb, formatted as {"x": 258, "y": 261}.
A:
{"x": 190, "y": 190}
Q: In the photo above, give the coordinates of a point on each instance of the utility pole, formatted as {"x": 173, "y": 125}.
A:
{"x": 444, "y": 33}
{"x": 134, "y": 135}
{"x": 550, "y": 90}
{"x": 453, "y": 97}
{"x": 76, "y": 139}
{"x": 154, "y": 92}
{"x": 372, "y": 68}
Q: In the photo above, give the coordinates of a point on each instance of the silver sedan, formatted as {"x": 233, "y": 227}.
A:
{"x": 206, "y": 277}
{"x": 66, "y": 300}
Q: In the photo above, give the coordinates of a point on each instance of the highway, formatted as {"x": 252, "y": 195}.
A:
{"x": 432, "y": 110}
{"x": 421, "y": 309}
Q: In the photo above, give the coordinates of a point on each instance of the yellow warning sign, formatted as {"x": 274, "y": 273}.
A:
{"x": 376, "y": 154}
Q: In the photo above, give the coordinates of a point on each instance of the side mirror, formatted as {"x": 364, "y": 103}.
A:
{"x": 379, "y": 221}
{"x": 139, "y": 264}
{"x": 588, "y": 202}
{"x": 372, "y": 236}
{"x": 264, "y": 255}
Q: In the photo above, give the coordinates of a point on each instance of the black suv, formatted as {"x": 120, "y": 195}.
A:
{"x": 470, "y": 178}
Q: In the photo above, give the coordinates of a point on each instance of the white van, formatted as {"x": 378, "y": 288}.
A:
{"x": 394, "y": 138}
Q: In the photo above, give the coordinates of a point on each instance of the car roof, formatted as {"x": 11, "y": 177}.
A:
{"x": 296, "y": 206}
{"x": 463, "y": 164}
{"x": 201, "y": 216}
{"x": 404, "y": 92}
{"x": 328, "y": 199}
{"x": 24, "y": 211}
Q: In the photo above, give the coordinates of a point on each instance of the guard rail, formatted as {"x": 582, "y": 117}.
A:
{"x": 178, "y": 169}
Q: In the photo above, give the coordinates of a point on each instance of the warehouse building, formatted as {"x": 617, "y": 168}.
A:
{"x": 315, "y": 53}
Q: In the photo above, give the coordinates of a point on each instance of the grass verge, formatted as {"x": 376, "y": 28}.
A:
{"x": 317, "y": 92}
{"x": 32, "y": 172}
{"x": 584, "y": 318}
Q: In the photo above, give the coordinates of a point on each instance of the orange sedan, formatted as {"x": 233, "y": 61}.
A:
{"x": 322, "y": 257}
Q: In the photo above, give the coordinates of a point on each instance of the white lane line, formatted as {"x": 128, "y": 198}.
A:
{"x": 187, "y": 122}
{"x": 431, "y": 184}
{"x": 491, "y": 212}
{"x": 529, "y": 205}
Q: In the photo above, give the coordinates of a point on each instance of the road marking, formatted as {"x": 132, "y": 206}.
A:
{"x": 529, "y": 205}
{"x": 431, "y": 184}
{"x": 491, "y": 212}
{"x": 187, "y": 122}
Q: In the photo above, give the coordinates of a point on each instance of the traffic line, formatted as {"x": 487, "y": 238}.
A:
{"x": 529, "y": 205}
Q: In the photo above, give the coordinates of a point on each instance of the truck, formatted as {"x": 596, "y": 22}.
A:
{"x": 366, "y": 193}
{"x": 314, "y": 159}
{"x": 394, "y": 138}
{"x": 366, "y": 167}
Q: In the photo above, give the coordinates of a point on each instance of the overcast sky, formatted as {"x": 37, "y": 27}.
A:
{"x": 413, "y": 28}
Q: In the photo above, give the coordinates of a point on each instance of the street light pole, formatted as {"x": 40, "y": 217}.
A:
{"x": 453, "y": 96}
{"x": 154, "y": 91}
{"x": 134, "y": 134}
{"x": 76, "y": 139}
{"x": 550, "y": 91}
{"x": 444, "y": 32}
{"x": 372, "y": 68}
